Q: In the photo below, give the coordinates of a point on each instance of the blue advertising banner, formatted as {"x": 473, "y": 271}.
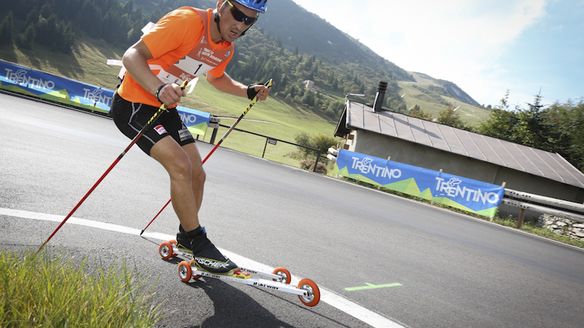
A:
{"x": 86, "y": 95}
{"x": 451, "y": 190}
{"x": 195, "y": 120}
{"x": 31, "y": 82}
{"x": 43, "y": 85}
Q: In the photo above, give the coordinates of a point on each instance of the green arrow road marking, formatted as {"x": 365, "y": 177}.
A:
{"x": 372, "y": 286}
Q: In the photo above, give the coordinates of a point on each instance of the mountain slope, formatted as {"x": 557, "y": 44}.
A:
{"x": 297, "y": 28}
{"x": 443, "y": 87}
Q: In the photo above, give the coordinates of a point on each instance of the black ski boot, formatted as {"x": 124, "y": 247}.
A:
{"x": 206, "y": 255}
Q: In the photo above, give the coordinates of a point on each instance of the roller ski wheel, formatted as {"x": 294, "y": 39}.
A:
{"x": 285, "y": 275}
{"x": 166, "y": 250}
{"x": 185, "y": 272}
{"x": 312, "y": 293}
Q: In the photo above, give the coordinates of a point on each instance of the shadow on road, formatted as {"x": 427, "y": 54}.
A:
{"x": 234, "y": 308}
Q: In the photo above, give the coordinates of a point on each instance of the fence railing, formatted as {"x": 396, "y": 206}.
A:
{"x": 269, "y": 140}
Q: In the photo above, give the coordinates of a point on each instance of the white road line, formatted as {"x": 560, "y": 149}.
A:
{"x": 372, "y": 318}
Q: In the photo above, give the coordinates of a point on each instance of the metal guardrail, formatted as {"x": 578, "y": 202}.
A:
{"x": 543, "y": 209}
{"x": 557, "y": 203}
{"x": 526, "y": 201}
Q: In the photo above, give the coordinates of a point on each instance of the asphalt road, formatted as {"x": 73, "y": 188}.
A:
{"x": 441, "y": 269}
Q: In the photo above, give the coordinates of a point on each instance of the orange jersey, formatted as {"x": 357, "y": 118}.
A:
{"x": 181, "y": 48}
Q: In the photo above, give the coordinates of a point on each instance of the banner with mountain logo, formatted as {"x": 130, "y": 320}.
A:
{"x": 23, "y": 80}
{"x": 462, "y": 193}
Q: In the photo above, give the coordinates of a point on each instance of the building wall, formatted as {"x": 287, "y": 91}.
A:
{"x": 403, "y": 151}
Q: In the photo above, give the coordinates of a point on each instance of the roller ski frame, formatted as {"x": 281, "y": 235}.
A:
{"x": 307, "y": 290}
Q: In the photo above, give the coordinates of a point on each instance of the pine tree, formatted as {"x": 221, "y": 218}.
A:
{"x": 26, "y": 39}
{"x": 7, "y": 29}
{"x": 451, "y": 118}
{"x": 417, "y": 111}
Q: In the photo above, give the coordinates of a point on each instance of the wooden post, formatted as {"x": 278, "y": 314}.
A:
{"x": 521, "y": 218}
{"x": 502, "y": 185}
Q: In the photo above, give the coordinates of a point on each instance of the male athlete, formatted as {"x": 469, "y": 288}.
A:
{"x": 186, "y": 43}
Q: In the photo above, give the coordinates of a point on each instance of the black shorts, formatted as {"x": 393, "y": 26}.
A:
{"x": 130, "y": 118}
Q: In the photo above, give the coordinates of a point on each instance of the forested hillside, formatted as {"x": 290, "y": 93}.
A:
{"x": 57, "y": 24}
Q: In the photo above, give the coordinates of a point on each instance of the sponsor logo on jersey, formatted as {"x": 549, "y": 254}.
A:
{"x": 210, "y": 54}
{"x": 184, "y": 134}
{"x": 160, "y": 129}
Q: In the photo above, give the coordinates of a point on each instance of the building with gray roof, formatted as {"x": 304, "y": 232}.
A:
{"x": 405, "y": 139}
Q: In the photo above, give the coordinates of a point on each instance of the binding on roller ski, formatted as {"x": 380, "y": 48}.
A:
{"x": 190, "y": 268}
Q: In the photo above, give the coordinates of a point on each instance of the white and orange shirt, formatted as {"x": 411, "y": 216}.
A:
{"x": 182, "y": 49}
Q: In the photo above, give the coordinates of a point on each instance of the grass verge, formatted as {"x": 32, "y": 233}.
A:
{"x": 36, "y": 291}
{"x": 540, "y": 231}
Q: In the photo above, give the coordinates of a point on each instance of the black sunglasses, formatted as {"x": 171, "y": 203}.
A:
{"x": 239, "y": 16}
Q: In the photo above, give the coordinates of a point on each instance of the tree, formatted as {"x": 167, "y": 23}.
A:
{"x": 451, "y": 118}
{"x": 576, "y": 149}
{"x": 7, "y": 29}
{"x": 534, "y": 119}
{"x": 417, "y": 111}
{"x": 504, "y": 105}
{"x": 567, "y": 133}
{"x": 320, "y": 142}
{"x": 26, "y": 39}
{"x": 303, "y": 139}
{"x": 501, "y": 124}
{"x": 308, "y": 99}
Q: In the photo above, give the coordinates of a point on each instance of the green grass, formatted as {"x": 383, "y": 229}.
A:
{"x": 39, "y": 292}
{"x": 540, "y": 231}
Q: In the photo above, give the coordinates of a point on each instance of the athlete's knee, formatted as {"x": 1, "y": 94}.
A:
{"x": 181, "y": 168}
{"x": 199, "y": 175}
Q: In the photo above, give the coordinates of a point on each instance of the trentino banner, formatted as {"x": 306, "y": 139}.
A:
{"x": 195, "y": 120}
{"x": 47, "y": 86}
{"x": 466, "y": 194}
{"x": 30, "y": 82}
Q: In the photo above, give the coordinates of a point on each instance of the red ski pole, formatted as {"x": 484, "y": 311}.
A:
{"x": 120, "y": 156}
{"x": 253, "y": 102}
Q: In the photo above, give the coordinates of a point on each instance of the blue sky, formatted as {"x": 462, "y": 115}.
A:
{"x": 484, "y": 46}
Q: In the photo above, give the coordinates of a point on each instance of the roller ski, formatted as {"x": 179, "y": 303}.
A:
{"x": 209, "y": 262}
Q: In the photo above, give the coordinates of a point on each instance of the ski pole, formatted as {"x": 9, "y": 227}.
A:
{"x": 148, "y": 125}
{"x": 253, "y": 102}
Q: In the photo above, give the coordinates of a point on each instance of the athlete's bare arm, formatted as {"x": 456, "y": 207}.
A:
{"x": 226, "y": 84}
{"x": 135, "y": 61}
